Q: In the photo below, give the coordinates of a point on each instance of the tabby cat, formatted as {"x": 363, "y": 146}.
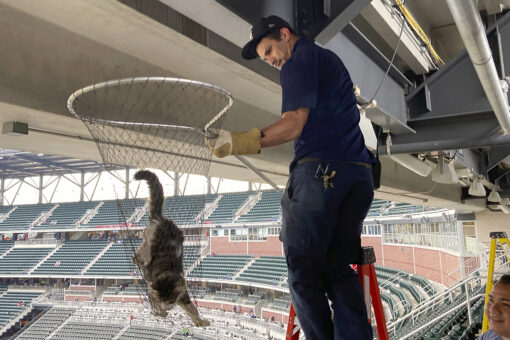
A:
{"x": 159, "y": 257}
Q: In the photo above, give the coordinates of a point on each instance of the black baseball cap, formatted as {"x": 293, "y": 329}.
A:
{"x": 262, "y": 27}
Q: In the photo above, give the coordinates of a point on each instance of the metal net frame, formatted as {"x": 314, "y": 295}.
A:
{"x": 154, "y": 123}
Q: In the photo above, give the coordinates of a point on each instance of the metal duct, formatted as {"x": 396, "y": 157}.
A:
{"x": 468, "y": 21}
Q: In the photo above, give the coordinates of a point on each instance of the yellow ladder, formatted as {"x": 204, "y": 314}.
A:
{"x": 498, "y": 236}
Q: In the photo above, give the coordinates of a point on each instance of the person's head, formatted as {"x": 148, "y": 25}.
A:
{"x": 498, "y": 307}
{"x": 272, "y": 40}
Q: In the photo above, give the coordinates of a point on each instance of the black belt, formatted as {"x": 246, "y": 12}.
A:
{"x": 312, "y": 159}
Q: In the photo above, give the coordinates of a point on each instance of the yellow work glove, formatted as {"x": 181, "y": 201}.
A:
{"x": 235, "y": 143}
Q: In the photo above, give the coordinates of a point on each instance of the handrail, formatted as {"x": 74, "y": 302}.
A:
{"x": 473, "y": 259}
{"x": 424, "y": 307}
{"x": 441, "y": 316}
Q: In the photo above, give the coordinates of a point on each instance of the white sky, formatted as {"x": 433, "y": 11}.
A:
{"x": 108, "y": 187}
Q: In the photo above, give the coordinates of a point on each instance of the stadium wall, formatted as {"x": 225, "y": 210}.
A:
{"x": 434, "y": 264}
{"x": 221, "y": 245}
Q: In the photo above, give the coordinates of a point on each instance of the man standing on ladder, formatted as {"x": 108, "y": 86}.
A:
{"x": 330, "y": 187}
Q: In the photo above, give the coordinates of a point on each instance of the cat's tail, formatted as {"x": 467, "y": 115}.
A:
{"x": 156, "y": 192}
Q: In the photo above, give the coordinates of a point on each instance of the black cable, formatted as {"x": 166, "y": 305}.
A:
{"x": 392, "y": 58}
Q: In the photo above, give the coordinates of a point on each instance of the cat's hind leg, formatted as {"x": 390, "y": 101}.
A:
{"x": 189, "y": 308}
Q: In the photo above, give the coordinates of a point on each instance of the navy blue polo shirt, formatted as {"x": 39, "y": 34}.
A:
{"x": 316, "y": 78}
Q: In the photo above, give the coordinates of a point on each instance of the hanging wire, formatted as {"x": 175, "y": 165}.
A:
{"x": 419, "y": 32}
{"x": 391, "y": 62}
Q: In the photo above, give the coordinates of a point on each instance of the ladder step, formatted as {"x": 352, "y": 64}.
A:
{"x": 365, "y": 267}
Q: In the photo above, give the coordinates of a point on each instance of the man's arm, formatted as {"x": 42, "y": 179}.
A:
{"x": 249, "y": 142}
{"x": 286, "y": 129}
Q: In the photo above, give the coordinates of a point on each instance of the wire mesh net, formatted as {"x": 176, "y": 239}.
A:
{"x": 156, "y": 123}
{"x": 152, "y": 122}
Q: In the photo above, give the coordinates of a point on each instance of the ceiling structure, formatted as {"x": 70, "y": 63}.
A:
{"x": 433, "y": 112}
{"x": 21, "y": 164}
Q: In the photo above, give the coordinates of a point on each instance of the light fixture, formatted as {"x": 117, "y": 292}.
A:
{"x": 15, "y": 129}
{"x": 476, "y": 188}
{"x": 444, "y": 172}
{"x": 504, "y": 208}
{"x": 410, "y": 162}
{"x": 505, "y": 201}
{"x": 494, "y": 196}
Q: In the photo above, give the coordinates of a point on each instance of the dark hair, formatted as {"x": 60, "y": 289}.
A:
{"x": 505, "y": 279}
{"x": 275, "y": 35}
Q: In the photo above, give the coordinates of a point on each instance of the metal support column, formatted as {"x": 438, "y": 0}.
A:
{"x": 126, "y": 184}
{"x": 460, "y": 234}
{"x": 82, "y": 185}
{"x": 2, "y": 190}
{"x": 40, "y": 188}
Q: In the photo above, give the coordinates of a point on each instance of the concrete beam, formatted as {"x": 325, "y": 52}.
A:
{"x": 388, "y": 25}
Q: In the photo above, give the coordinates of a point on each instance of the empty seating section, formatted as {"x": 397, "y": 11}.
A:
{"x": 454, "y": 324}
{"x": 267, "y": 270}
{"x": 266, "y": 210}
{"x": 427, "y": 286}
{"x": 130, "y": 289}
{"x": 46, "y": 324}
{"x": 227, "y": 294}
{"x": 220, "y": 266}
{"x": 411, "y": 288}
{"x": 5, "y": 245}
{"x": 21, "y": 260}
{"x": 254, "y": 298}
{"x": 184, "y": 209}
{"x": 405, "y": 305}
{"x": 388, "y": 298}
{"x": 228, "y": 206}
{"x": 386, "y": 208}
{"x": 66, "y": 215}
{"x": 72, "y": 257}
{"x": 197, "y": 293}
{"x": 281, "y": 303}
{"x": 144, "y": 332}
{"x": 178, "y": 336}
{"x": 87, "y": 331}
{"x": 13, "y": 303}
{"x": 23, "y": 216}
{"x": 134, "y": 290}
{"x": 399, "y": 283}
{"x": 116, "y": 261}
{"x": 115, "y": 212}
{"x": 112, "y": 290}
{"x": 376, "y": 206}
{"x": 190, "y": 255}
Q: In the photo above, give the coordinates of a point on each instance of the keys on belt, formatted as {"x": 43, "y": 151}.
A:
{"x": 322, "y": 173}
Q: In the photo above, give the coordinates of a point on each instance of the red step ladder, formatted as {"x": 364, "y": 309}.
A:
{"x": 366, "y": 273}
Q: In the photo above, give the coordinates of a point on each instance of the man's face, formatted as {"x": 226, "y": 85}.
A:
{"x": 275, "y": 52}
{"x": 498, "y": 309}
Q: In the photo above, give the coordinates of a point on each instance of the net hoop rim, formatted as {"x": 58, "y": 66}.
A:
{"x": 124, "y": 81}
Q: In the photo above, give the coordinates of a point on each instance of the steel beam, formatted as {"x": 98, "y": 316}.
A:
{"x": 340, "y": 15}
{"x": 367, "y": 67}
{"x": 455, "y": 89}
{"x": 496, "y": 155}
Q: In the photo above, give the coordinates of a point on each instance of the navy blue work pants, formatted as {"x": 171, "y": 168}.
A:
{"x": 321, "y": 230}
